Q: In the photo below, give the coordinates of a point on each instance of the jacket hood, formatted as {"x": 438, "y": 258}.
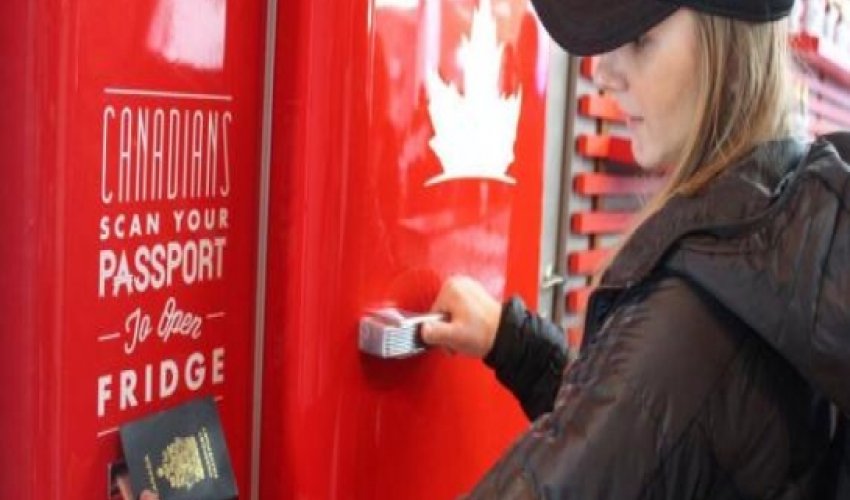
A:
{"x": 770, "y": 240}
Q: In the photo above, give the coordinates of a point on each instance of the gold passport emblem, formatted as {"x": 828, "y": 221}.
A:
{"x": 181, "y": 463}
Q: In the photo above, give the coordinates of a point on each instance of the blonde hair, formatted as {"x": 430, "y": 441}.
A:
{"x": 744, "y": 99}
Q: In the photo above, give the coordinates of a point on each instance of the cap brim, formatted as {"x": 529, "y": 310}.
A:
{"x": 589, "y": 27}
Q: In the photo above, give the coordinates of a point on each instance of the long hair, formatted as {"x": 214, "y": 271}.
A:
{"x": 744, "y": 99}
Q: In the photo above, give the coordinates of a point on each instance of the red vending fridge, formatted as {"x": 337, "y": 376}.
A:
{"x": 407, "y": 147}
{"x": 129, "y": 134}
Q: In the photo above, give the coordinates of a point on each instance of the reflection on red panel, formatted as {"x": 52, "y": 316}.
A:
{"x": 408, "y": 147}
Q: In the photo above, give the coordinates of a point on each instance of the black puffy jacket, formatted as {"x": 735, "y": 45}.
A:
{"x": 716, "y": 355}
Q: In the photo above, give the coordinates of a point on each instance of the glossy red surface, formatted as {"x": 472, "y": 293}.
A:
{"x": 92, "y": 95}
{"x": 357, "y": 221}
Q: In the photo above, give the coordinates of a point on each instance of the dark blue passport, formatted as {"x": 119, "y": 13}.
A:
{"x": 180, "y": 454}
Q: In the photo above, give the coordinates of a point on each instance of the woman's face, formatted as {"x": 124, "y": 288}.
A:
{"x": 654, "y": 79}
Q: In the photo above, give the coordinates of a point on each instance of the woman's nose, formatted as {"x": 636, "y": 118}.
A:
{"x": 607, "y": 75}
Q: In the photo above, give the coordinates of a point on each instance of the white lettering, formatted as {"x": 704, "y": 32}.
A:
{"x": 148, "y": 383}
{"x": 168, "y": 374}
{"x": 128, "y": 389}
{"x": 162, "y": 265}
{"x": 151, "y": 383}
{"x": 105, "y": 193}
{"x": 138, "y": 326}
{"x": 195, "y": 371}
{"x": 228, "y": 119}
{"x": 218, "y": 366}
{"x": 174, "y": 320}
{"x": 107, "y": 270}
{"x": 174, "y": 156}
{"x": 146, "y": 224}
{"x": 103, "y": 393}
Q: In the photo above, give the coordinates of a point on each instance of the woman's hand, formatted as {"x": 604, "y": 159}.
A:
{"x": 474, "y": 317}
{"x": 127, "y": 490}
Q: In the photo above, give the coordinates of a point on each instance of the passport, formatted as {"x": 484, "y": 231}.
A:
{"x": 180, "y": 453}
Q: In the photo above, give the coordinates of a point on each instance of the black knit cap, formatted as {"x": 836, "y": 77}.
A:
{"x": 587, "y": 27}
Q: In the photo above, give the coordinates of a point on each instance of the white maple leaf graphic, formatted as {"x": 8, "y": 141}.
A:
{"x": 475, "y": 132}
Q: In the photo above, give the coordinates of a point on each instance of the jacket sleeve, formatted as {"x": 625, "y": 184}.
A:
{"x": 528, "y": 356}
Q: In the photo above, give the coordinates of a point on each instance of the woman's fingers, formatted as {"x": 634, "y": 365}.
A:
{"x": 437, "y": 333}
{"x": 474, "y": 317}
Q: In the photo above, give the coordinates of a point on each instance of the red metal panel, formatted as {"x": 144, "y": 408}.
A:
{"x": 588, "y": 67}
{"x": 602, "y": 107}
{"x": 26, "y": 263}
{"x": 373, "y": 204}
{"x": 601, "y": 222}
{"x": 592, "y": 184}
{"x": 618, "y": 149}
{"x": 129, "y": 125}
{"x": 587, "y": 262}
{"x": 577, "y": 299}
{"x": 574, "y": 337}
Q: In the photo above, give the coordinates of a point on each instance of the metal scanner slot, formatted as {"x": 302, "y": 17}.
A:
{"x": 394, "y": 333}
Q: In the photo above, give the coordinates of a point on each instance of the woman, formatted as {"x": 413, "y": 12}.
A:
{"x": 716, "y": 355}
